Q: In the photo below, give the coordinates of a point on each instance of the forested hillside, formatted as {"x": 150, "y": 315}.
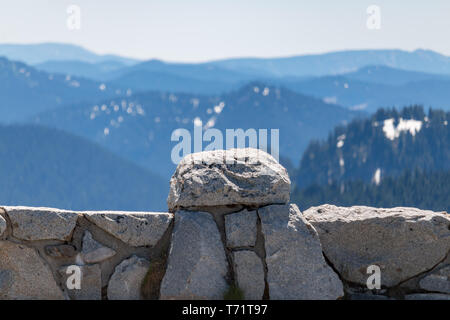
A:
{"x": 386, "y": 144}
{"x": 48, "y": 167}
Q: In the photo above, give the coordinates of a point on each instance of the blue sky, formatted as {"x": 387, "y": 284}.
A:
{"x": 199, "y": 30}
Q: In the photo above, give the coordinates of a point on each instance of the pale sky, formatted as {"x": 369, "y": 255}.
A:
{"x": 200, "y": 30}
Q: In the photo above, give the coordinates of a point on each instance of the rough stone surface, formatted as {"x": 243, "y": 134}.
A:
{"x": 228, "y": 177}
{"x": 41, "y": 223}
{"x": 438, "y": 281}
{"x": 197, "y": 265}
{"x": 61, "y": 251}
{"x": 240, "y": 229}
{"x": 93, "y": 251}
{"x": 368, "y": 296}
{"x": 90, "y": 286}
{"x": 2, "y": 225}
{"x": 134, "y": 228}
{"x": 403, "y": 242}
{"x": 427, "y": 296}
{"x": 296, "y": 266}
{"x": 126, "y": 282}
{"x": 249, "y": 272}
{"x": 24, "y": 275}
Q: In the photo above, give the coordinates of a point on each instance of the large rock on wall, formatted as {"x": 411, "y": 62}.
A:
{"x": 228, "y": 177}
{"x": 133, "y": 228}
{"x": 41, "y": 223}
{"x": 296, "y": 266}
{"x": 24, "y": 275}
{"x": 197, "y": 265}
{"x": 403, "y": 242}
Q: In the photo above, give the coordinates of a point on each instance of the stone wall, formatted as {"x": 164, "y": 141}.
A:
{"x": 230, "y": 233}
{"x": 41, "y": 249}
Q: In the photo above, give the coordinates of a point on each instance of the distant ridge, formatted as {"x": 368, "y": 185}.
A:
{"x": 331, "y": 63}
{"x": 341, "y": 62}
{"x": 26, "y": 91}
{"x": 42, "y": 52}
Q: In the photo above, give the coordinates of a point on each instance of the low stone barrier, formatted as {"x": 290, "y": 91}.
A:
{"x": 57, "y": 254}
{"x": 230, "y": 233}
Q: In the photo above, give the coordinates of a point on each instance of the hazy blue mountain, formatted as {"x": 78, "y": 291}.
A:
{"x": 360, "y": 91}
{"x": 353, "y": 94}
{"x": 153, "y": 75}
{"x": 25, "y": 91}
{"x": 142, "y": 80}
{"x": 178, "y": 77}
{"x": 299, "y": 118}
{"x": 42, "y": 52}
{"x": 386, "y": 144}
{"x": 139, "y": 127}
{"x": 95, "y": 71}
{"x": 200, "y": 71}
{"x": 48, "y": 167}
{"x": 339, "y": 62}
{"x": 391, "y": 76}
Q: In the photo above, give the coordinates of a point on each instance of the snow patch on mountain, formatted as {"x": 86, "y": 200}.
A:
{"x": 410, "y": 125}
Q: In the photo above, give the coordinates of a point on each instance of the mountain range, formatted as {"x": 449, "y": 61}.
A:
{"x": 94, "y": 128}
{"x": 332, "y": 63}
{"x": 28, "y": 90}
{"x": 140, "y": 126}
{"x": 359, "y": 79}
